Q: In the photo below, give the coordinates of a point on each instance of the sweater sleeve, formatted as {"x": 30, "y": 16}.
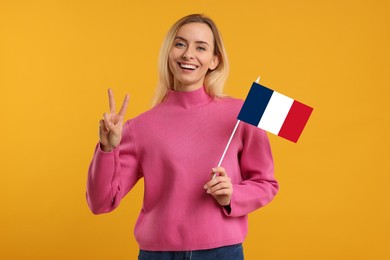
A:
{"x": 111, "y": 175}
{"x": 258, "y": 186}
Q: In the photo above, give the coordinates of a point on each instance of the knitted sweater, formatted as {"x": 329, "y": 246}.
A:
{"x": 173, "y": 147}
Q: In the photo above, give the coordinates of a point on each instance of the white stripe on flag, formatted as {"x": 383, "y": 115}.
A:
{"x": 275, "y": 113}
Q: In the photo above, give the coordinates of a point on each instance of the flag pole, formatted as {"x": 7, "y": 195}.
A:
{"x": 228, "y": 144}
{"x": 230, "y": 139}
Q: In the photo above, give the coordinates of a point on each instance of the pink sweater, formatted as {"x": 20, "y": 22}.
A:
{"x": 173, "y": 147}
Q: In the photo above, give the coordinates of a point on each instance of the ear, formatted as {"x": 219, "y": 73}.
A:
{"x": 214, "y": 62}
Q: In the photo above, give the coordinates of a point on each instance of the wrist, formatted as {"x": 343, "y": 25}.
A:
{"x": 106, "y": 148}
{"x": 228, "y": 208}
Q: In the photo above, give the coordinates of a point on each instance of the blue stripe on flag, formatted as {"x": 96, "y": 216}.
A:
{"x": 255, "y": 104}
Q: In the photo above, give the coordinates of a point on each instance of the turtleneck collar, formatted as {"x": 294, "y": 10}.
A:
{"x": 188, "y": 99}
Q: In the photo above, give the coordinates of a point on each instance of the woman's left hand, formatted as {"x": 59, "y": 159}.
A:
{"x": 220, "y": 187}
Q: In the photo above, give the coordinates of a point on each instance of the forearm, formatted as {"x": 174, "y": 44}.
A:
{"x": 258, "y": 186}
{"x": 249, "y": 196}
{"x": 100, "y": 192}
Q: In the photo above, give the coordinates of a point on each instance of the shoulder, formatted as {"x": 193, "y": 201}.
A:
{"x": 145, "y": 117}
{"x": 229, "y": 103}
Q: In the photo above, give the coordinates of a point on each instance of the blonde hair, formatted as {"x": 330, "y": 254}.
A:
{"x": 214, "y": 79}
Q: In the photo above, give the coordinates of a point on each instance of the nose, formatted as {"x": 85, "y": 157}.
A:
{"x": 188, "y": 54}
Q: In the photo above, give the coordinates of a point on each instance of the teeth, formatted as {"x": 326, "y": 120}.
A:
{"x": 188, "y": 66}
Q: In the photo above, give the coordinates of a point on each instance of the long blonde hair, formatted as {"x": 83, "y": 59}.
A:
{"x": 214, "y": 79}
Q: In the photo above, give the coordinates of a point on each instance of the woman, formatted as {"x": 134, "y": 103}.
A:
{"x": 173, "y": 146}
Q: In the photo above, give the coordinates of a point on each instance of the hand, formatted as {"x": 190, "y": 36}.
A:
{"x": 110, "y": 131}
{"x": 220, "y": 187}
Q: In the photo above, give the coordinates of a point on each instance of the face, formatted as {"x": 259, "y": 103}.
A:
{"x": 192, "y": 55}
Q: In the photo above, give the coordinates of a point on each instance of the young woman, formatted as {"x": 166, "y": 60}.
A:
{"x": 175, "y": 146}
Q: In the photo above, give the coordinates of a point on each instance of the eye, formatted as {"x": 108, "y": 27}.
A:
{"x": 201, "y": 48}
{"x": 180, "y": 44}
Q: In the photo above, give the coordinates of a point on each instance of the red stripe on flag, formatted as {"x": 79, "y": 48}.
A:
{"x": 295, "y": 121}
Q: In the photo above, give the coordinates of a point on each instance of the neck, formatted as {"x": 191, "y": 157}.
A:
{"x": 188, "y": 99}
{"x": 187, "y": 88}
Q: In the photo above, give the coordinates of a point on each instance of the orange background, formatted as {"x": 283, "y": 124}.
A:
{"x": 57, "y": 58}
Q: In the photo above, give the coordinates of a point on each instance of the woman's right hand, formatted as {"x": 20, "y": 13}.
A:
{"x": 110, "y": 130}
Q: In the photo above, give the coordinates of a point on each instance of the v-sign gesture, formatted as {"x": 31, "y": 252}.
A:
{"x": 110, "y": 131}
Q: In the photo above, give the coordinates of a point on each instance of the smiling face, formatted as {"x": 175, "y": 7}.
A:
{"x": 191, "y": 56}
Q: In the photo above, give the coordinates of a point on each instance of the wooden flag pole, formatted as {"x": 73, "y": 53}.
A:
{"x": 230, "y": 139}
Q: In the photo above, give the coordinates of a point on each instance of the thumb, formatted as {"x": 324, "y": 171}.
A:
{"x": 218, "y": 171}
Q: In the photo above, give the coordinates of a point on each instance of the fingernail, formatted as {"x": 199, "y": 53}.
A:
{"x": 205, "y": 187}
{"x": 208, "y": 191}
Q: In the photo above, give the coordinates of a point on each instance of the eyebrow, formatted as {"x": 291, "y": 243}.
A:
{"x": 201, "y": 42}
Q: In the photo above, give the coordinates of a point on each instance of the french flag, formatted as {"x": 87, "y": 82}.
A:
{"x": 274, "y": 112}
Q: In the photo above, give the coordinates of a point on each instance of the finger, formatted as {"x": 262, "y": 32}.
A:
{"x": 221, "y": 192}
{"x": 103, "y": 126}
{"x": 111, "y": 101}
{"x": 107, "y": 121}
{"x": 219, "y": 186}
{"x": 215, "y": 181}
{"x": 210, "y": 183}
{"x": 125, "y": 103}
{"x": 225, "y": 191}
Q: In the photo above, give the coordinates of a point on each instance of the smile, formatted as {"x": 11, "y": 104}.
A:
{"x": 187, "y": 66}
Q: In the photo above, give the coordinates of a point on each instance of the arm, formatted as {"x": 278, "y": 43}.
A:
{"x": 112, "y": 174}
{"x": 114, "y": 168}
{"x": 259, "y": 186}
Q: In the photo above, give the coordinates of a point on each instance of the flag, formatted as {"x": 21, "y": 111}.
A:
{"x": 274, "y": 112}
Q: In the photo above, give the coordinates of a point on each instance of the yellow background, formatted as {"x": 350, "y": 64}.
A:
{"x": 57, "y": 58}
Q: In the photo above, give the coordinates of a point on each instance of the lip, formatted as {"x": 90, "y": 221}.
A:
{"x": 187, "y": 64}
